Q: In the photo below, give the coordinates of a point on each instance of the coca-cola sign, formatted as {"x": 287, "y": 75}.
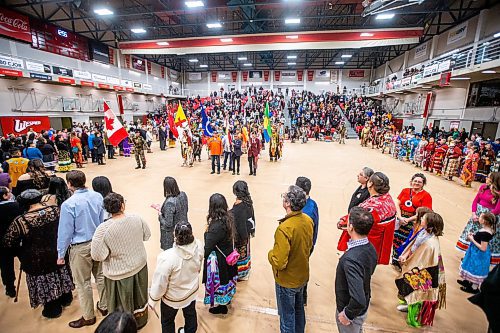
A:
{"x": 21, "y": 125}
{"x": 14, "y": 25}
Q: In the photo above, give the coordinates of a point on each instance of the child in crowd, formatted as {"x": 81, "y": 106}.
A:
{"x": 417, "y": 231}
{"x": 476, "y": 263}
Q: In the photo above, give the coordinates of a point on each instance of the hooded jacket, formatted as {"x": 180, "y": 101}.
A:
{"x": 176, "y": 278}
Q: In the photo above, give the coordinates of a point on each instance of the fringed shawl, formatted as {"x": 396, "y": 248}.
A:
{"x": 422, "y": 278}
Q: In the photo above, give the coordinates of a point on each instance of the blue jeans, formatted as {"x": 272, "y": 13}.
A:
{"x": 291, "y": 309}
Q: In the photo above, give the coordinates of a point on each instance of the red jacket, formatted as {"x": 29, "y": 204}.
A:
{"x": 254, "y": 147}
{"x": 381, "y": 235}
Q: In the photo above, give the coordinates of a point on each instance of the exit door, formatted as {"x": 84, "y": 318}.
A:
{"x": 486, "y": 130}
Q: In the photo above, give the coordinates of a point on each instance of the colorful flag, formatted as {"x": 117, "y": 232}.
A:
{"x": 244, "y": 131}
{"x": 171, "y": 124}
{"x": 114, "y": 128}
{"x": 205, "y": 124}
{"x": 267, "y": 124}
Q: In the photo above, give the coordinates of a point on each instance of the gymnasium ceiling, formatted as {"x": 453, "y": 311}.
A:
{"x": 256, "y": 29}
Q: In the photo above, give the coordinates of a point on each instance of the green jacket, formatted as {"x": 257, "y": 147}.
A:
{"x": 289, "y": 257}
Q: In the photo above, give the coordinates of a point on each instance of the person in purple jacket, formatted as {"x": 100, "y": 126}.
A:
{"x": 311, "y": 210}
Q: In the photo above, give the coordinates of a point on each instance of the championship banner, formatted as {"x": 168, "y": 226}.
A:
{"x": 244, "y": 74}
{"x": 310, "y": 75}
{"x": 234, "y": 76}
{"x": 300, "y": 75}
{"x": 277, "y": 75}
{"x": 214, "y": 76}
{"x": 148, "y": 64}
{"x": 127, "y": 61}
{"x": 266, "y": 76}
{"x": 20, "y": 125}
{"x": 356, "y": 73}
{"x": 162, "y": 70}
{"x": 15, "y": 25}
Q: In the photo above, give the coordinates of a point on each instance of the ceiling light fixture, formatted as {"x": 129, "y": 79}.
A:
{"x": 496, "y": 35}
{"x": 366, "y": 34}
{"x": 292, "y": 37}
{"x": 292, "y": 20}
{"x": 103, "y": 12}
{"x": 194, "y": 4}
{"x": 193, "y": 60}
{"x": 339, "y": 62}
{"x": 292, "y": 64}
{"x": 162, "y": 43}
{"x": 291, "y": 57}
{"x": 226, "y": 40}
{"x": 346, "y": 56}
{"x": 247, "y": 64}
{"x": 489, "y": 72}
{"x": 385, "y": 16}
{"x": 203, "y": 66}
{"x": 460, "y": 78}
{"x": 138, "y": 30}
{"x": 242, "y": 58}
{"x": 214, "y": 25}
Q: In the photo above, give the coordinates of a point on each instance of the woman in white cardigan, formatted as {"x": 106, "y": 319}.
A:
{"x": 176, "y": 280}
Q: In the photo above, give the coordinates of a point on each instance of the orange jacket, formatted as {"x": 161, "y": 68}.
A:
{"x": 215, "y": 146}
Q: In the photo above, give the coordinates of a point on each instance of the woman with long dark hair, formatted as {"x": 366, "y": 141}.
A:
{"x": 244, "y": 221}
{"x": 486, "y": 200}
{"x": 102, "y": 185}
{"x": 57, "y": 193}
{"x": 49, "y": 284}
{"x": 218, "y": 276}
{"x": 36, "y": 177}
{"x": 174, "y": 210}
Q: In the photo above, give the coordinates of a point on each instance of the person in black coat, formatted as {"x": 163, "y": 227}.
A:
{"x": 9, "y": 210}
{"x": 163, "y": 137}
{"x": 99, "y": 148}
{"x": 219, "y": 243}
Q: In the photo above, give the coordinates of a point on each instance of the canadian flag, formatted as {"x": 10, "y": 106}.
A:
{"x": 114, "y": 128}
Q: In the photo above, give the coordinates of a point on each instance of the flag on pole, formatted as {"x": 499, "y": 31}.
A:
{"x": 114, "y": 128}
{"x": 180, "y": 120}
{"x": 171, "y": 124}
{"x": 244, "y": 131}
{"x": 267, "y": 124}
{"x": 205, "y": 124}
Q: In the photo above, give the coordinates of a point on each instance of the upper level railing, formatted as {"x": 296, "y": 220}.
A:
{"x": 481, "y": 52}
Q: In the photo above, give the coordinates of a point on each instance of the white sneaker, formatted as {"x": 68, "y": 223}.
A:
{"x": 402, "y": 307}
{"x": 181, "y": 330}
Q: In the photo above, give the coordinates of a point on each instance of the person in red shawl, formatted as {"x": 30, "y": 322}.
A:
{"x": 438, "y": 157}
{"x": 428, "y": 152}
{"x": 383, "y": 209}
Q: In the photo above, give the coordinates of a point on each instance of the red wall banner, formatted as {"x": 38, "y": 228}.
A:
{"x": 15, "y": 25}
{"x": 127, "y": 60}
{"x": 162, "y": 70}
{"x": 149, "y": 67}
{"x": 266, "y": 76}
{"x": 86, "y": 83}
{"x": 214, "y": 76}
{"x": 11, "y": 72}
{"x": 357, "y": 73}
{"x": 310, "y": 75}
{"x": 234, "y": 76}
{"x": 120, "y": 104}
{"x": 66, "y": 80}
{"x": 111, "y": 53}
{"x": 277, "y": 75}
{"x": 244, "y": 74}
{"x": 300, "y": 75}
{"x": 21, "y": 125}
{"x": 428, "y": 99}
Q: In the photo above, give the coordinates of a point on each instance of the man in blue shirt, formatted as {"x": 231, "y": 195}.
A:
{"x": 311, "y": 210}
{"x": 80, "y": 216}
